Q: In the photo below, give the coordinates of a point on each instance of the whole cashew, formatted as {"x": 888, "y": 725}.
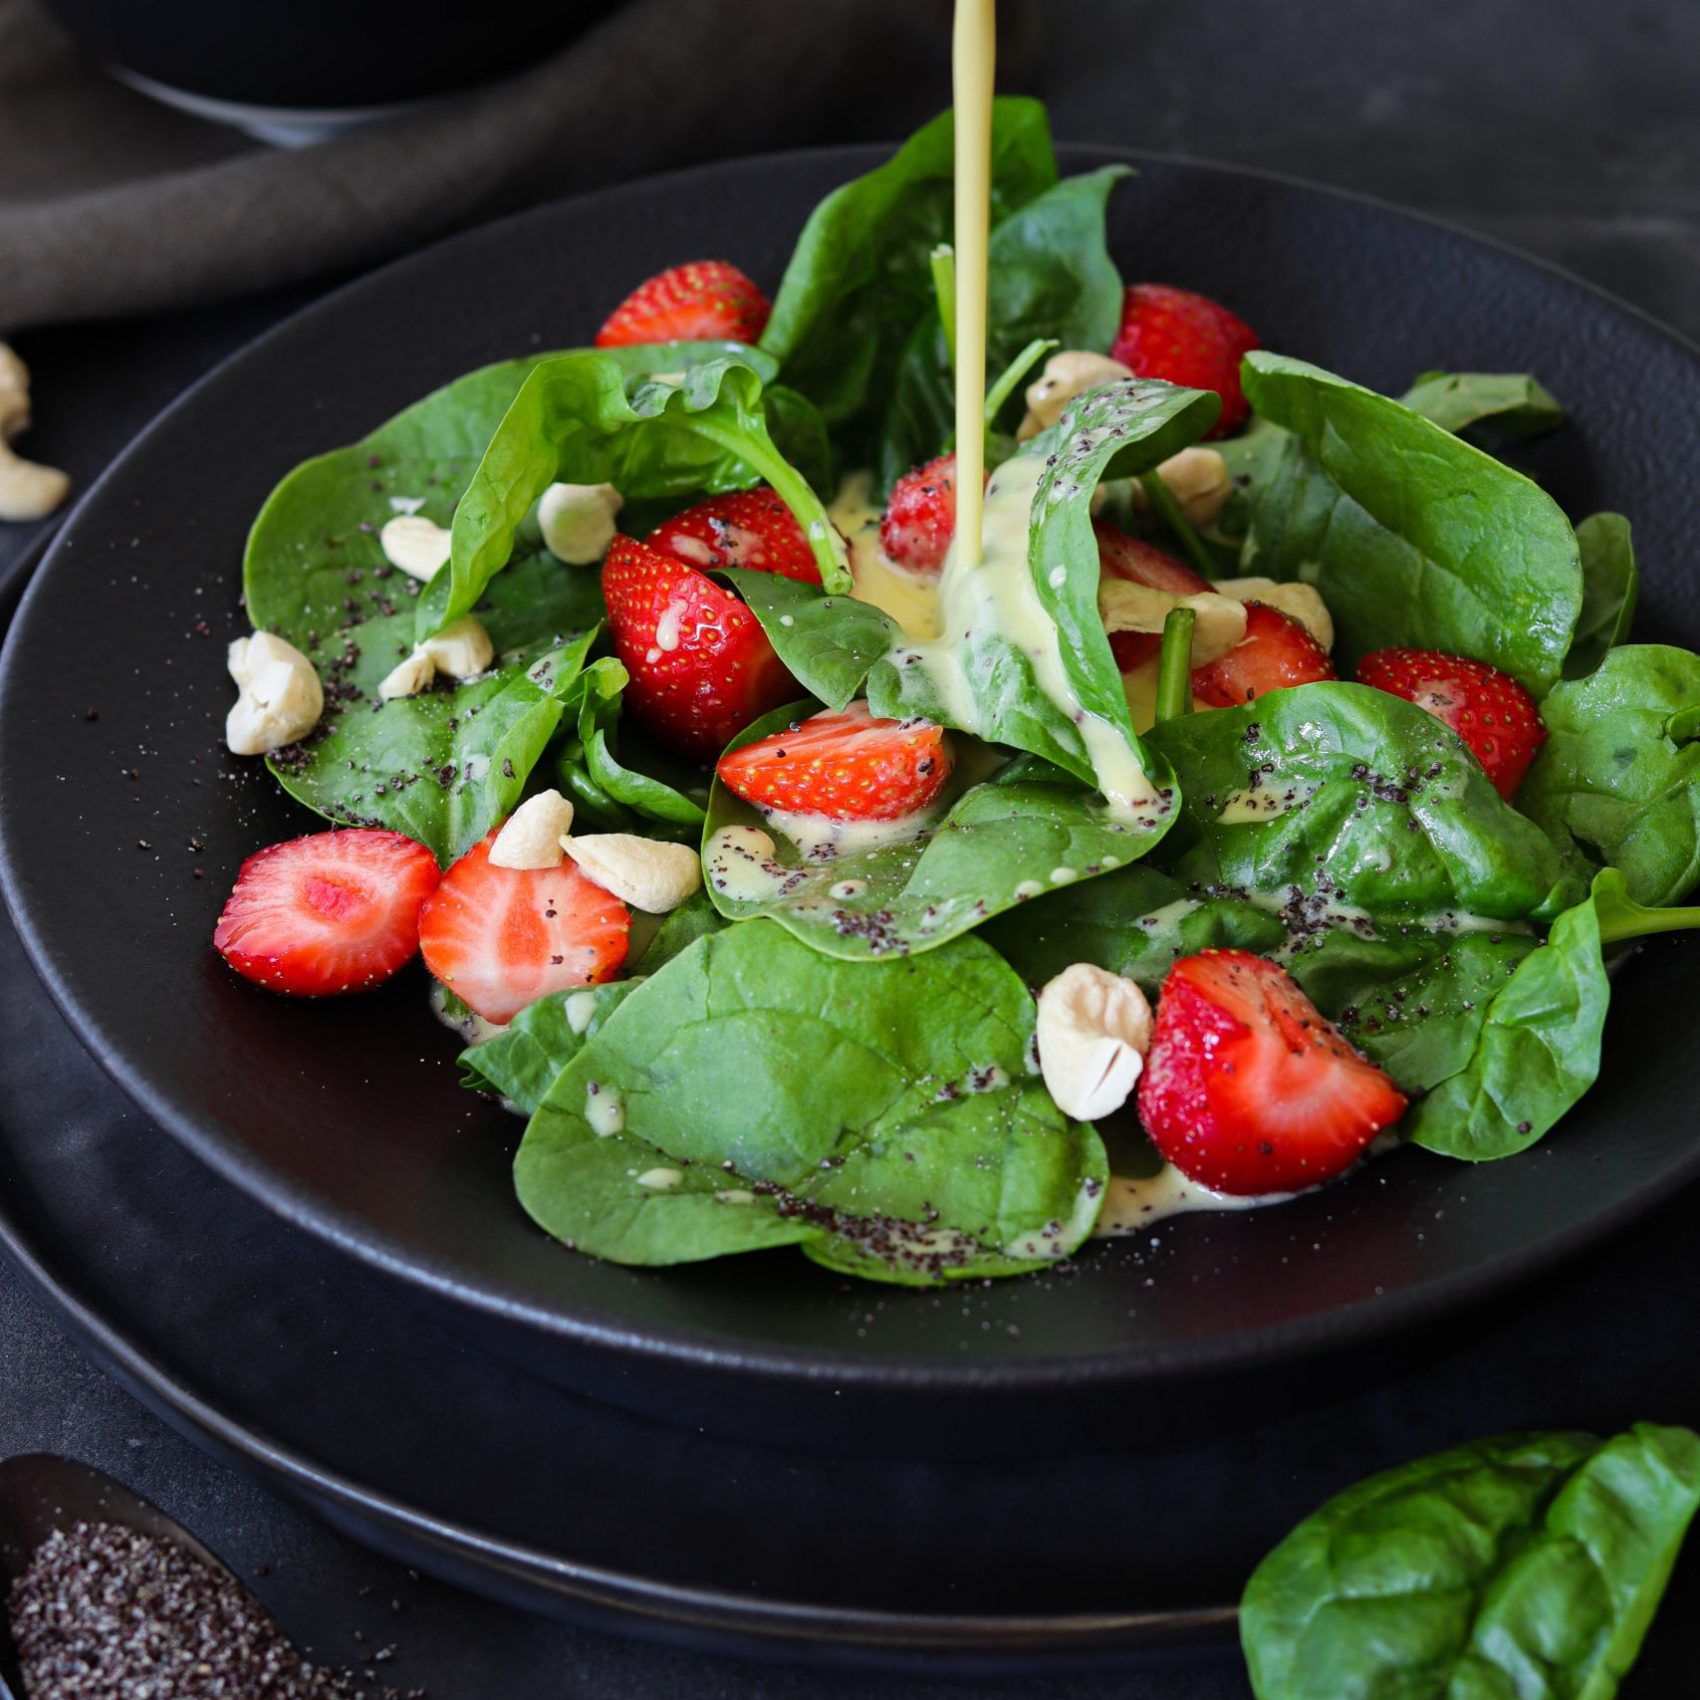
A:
{"x": 27, "y": 491}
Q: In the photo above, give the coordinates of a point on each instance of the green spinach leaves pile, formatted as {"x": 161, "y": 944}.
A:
{"x": 848, "y": 1065}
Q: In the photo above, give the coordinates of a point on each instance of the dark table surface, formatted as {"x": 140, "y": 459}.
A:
{"x": 1565, "y": 127}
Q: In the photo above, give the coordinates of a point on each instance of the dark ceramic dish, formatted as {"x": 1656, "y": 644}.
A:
{"x": 345, "y": 1117}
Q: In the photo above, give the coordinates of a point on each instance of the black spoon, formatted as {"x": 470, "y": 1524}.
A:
{"x": 41, "y": 1492}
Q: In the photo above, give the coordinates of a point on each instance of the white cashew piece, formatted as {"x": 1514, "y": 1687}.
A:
{"x": 408, "y": 678}
{"x": 27, "y": 491}
{"x": 1198, "y": 480}
{"x": 415, "y": 545}
{"x": 281, "y": 698}
{"x": 1130, "y": 607}
{"x": 461, "y": 650}
{"x": 577, "y": 521}
{"x": 533, "y": 833}
{"x": 649, "y": 876}
{"x": 1094, "y": 1029}
{"x": 1303, "y": 602}
{"x": 1067, "y": 374}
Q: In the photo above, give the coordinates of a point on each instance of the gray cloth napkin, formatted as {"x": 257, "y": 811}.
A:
{"x": 111, "y": 204}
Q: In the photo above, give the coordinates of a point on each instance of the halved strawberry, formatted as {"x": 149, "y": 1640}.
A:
{"x": 1488, "y": 709}
{"x": 704, "y": 301}
{"x": 501, "y": 938}
{"x": 701, "y": 666}
{"x": 920, "y": 516}
{"x": 1132, "y": 558}
{"x": 744, "y": 528}
{"x": 1186, "y": 338}
{"x": 1247, "y": 1089}
{"x": 333, "y": 912}
{"x": 846, "y": 766}
{"x": 1275, "y": 654}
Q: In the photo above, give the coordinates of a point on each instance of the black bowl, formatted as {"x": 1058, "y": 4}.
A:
{"x": 346, "y": 1117}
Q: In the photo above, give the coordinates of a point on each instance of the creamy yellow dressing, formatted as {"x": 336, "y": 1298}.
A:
{"x": 1131, "y": 1204}
{"x": 973, "y": 69}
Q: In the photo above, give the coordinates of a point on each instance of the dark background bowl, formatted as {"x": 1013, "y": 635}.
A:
{"x": 323, "y": 54}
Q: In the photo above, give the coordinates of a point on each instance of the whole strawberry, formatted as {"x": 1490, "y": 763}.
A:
{"x": 704, "y": 301}
{"x": 1186, "y": 338}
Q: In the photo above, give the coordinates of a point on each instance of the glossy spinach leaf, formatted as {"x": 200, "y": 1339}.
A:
{"x": 1529, "y": 1565}
{"x": 1513, "y": 404}
{"x": 445, "y": 766}
{"x": 859, "y": 893}
{"x": 1618, "y": 780}
{"x": 916, "y": 1146}
{"x": 1413, "y": 536}
{"x": 520, "y": 1063}
{"x": 695, "y": 918}
{"x": 860, "y": 279}
{"x": 1611, "y": 586}
{"x": 1051, "y": 276}
{"x": 828, "y": 642}
{"x": 581, "y": 419}
{"x": 1024, "y": 659}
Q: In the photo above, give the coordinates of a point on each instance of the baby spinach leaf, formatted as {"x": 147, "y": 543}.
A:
{"x": 1622, "y": 918}
{"x": 1617, "y": 782}
{"x": 1412, "y": 535}
{"x": 1528, "y": 1565}
{"x": 756, "y": 1093}
{"x": 695, "y": 918}
{"x": 520, "y": 1063}
{"x": 1610, "y": 588}
{"x": 860, "y": 892}
{"x": 1051, "y": 276}
{"x": 860, "y": 279}
{"x": 445, "y": 766}
{"x": 828, "y": 642}
{"x": 1024, "y": 659}
{"x": 1511, "y": 403}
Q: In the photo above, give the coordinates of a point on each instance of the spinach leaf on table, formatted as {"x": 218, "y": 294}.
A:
{"x": 1528, "y": 1565}
{"x": 754, "y": 1093}
{"x": 1006, "y": 628}
{"x": 520, "y": 1063}
{"x": 1611, "y": 585}
{"x": 1617, "y": 782}
{"x": 1413, "y": 536}
{"x": 984, "y": 848}
{"x": 583, "y": 419}
{"x": 445, "y": 766}
{"x": 1051, "y": 276}
{"x": 861, "y": 279}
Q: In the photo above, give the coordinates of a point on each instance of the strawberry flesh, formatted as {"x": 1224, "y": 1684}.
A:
{"x": 1186, "y": 338}
{"x": 846, "y": 766}
{"x": 501, "y": 938}
{"x": 1489, "y": 710}
{"x": 1247, "y": 1089}
{"x": 329, "y": 913}
{"x": 751, "y": 529}
{"x": 701, "y": 667}
{"x": 704, "y": 301}
{"x": 1138, "y": 562}
{"x": 1276, "y": 653}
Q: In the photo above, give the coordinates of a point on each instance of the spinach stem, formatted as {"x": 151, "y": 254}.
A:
{"x": 1639, "y": 922}
{"x": 1174, "y": 665}
{"x": 1013, "y": 373}
{"x": 943, "y": 260}
{"x": 1169, "y": 511}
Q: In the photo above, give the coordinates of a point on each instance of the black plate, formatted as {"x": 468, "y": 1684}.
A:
{"x": 345, "y": 1118}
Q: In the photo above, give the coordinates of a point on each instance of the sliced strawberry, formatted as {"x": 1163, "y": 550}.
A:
{"x": 1275, "y": 654}
{"x": 701, "y": 666}
{"x": 920, "y": 516}
{"x": 501, "y": 938}
{"x": 1139, "y": 562}
{"x": 1247, "y": 1089}
{"x": 846, "y": 766}
{"x": 333, "y": 912}
{"x": 1488, "y": 709}
{"x": 1185, "y": 338}
{"x": 705, "y": 301}
{"x": 744, "y": 528}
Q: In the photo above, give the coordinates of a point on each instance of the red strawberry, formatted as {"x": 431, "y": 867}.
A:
{"x": 745, "y": 528}
{"x": 332, "y": 912}
{"x": 1186, "y": 339}
{"x": 845, "y": 766}
{"x": 1247, "y": 1089}
{"x": 1139, "y": 562}
{"x": 501, "y": 938}
{"x": 920, "y": 516}
{"x": 1275, "y": 654}
{"x": 1488, "y": 709}
{"x": 701, "y": 667}
{"x": 705, "y": 301}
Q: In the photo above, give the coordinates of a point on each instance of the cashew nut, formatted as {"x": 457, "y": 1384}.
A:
{"x": 533, "y": 833}
{"x": 1094, "y": 1029}
{"x": 415, "y": 545}
{"x": 1070, "y": 373}
{"x": 1198, "y": 480}
{"x": 461, "y": 650}
{"x": 1130, "y": 607}
{"x": 577, "y": 521}
{"x": 281, "y": 698}
{"x": 649, "y": 876}
{"x": 1303, "y": 602}
{"x": 27, "y": 491}
{"x": 407, "y": 679}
